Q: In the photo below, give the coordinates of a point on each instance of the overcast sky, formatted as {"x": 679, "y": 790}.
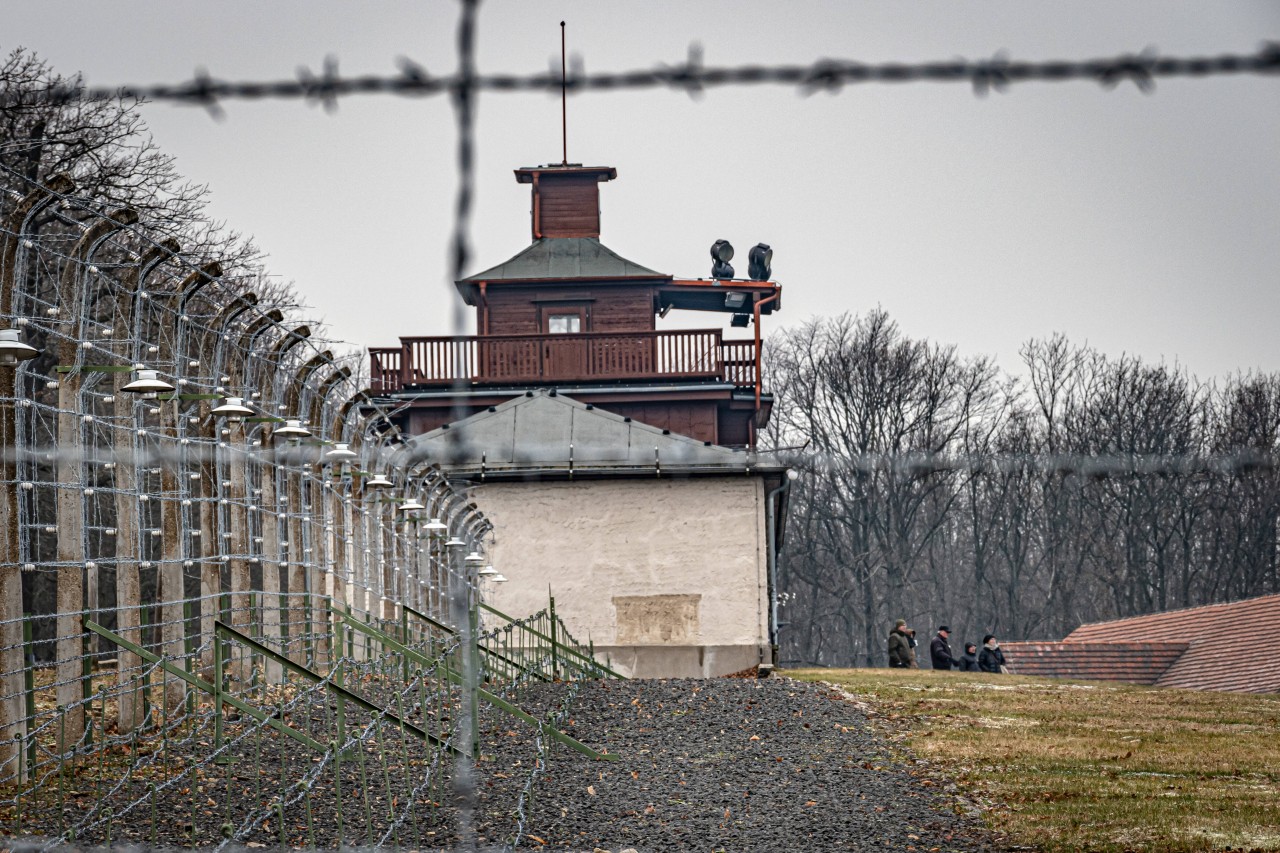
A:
{"x": 1145, "y": 224}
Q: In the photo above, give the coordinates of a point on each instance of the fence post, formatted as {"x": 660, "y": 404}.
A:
{"x": 12, "y": 719}
{"x": 238, "y": 476}
{"x": 29, "y": 689}
{"x": 180, "y": 434}
{"x": 217, "y": 698}
{"x": 272, "y": 376}
{"x": 555, "y": 646}
{"x": 210, "y": 485}
{"x": 128, "y": 549}
{"x": 302, "y": 578}
{"x": 71, "y": 497}
{"x": 330, "y": 556}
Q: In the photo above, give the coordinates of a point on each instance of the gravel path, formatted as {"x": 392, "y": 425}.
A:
{"x": 738, "y": 764}
{"x": 721, "y": 764}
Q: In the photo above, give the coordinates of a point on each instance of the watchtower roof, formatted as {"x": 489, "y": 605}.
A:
{"x": 564, "y": 259}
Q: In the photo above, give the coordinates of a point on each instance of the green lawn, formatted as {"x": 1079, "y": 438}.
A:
{"x": 1066, "y": 765}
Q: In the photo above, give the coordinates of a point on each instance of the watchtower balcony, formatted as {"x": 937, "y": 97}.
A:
{"x": 698, "y": 355}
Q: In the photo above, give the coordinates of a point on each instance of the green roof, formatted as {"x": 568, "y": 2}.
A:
{"x": 565, "y": 258}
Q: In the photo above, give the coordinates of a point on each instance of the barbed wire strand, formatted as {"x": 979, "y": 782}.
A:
{"x": 691, "y": 76}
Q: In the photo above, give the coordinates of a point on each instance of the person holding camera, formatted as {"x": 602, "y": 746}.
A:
{"x": 940, "y": 650}
{"x": 902, "y": 646}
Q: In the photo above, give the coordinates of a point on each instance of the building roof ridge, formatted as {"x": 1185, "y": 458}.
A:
{"x": 1204, "y": 608}
{"x": 564, "y": 258}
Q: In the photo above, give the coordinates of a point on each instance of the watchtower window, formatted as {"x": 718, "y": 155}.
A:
{"x": 564, "y": 324}
{"x": 564, "y": 321}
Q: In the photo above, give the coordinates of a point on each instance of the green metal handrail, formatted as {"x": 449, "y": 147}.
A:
{"x": 560, "y": 646}
{"x": 497, "y": 701}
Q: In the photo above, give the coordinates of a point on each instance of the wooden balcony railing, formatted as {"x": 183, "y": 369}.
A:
{"x": 539, "y": 359}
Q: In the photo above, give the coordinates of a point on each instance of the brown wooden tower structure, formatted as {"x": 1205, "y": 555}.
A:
{"x": 569, "y": 314}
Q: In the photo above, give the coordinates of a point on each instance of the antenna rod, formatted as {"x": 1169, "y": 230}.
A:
{"x": 564, "y": 122}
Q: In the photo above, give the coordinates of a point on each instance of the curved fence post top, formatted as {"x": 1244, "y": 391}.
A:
{"x": 332, "y": 381}
{"x": 151, "y": 258}
{"x": 293, "y": 395}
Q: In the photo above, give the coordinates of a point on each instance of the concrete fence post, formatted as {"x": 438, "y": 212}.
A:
{"x": 303, "y": 577}
{"x": 331, "y": 556}
{"x": 212, "y": 546}
{"x": 12, "y": 711}
{"x": 239, "y": 457}
{"x": 129, "y": 706}
{"x": 173, "y": 556}
{"x": 70, "y": 500}
{"x": 269, "y": 503}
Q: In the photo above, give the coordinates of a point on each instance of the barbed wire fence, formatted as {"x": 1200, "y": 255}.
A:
{"x": 230, "y": 523}
{"x": 212, "y": 530}
{"x": 691, "y": 76}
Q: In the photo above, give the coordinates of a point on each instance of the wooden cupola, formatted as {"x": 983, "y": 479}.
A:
{"x": 566, "y": 198}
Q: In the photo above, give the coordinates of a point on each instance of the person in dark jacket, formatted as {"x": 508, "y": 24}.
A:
{"x": 969, "y": 660}
{"x": 940, "y": 650}
{"x": 902, "y": 646}
{"x": 991, "y": 659}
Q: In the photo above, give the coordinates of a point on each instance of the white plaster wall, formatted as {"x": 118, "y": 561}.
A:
{"x": 590, "y": 541}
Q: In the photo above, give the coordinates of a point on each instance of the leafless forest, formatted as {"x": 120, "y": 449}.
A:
{"x": 939, "y": 489}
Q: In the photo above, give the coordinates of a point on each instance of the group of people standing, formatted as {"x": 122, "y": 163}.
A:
{"x": 902, "y": 651}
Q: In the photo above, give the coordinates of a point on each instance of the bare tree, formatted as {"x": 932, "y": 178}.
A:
{"x": 1093, "y": 488}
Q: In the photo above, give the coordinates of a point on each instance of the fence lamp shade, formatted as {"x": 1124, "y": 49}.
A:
{"x": 436, "y": 527}
{"x": 411, "y": 505}
{"x": 341, "y": 452}
{"x": 233, "y": 409}
{"x": 379, "y": 481}
{"x": 498, "y": 578}
{"x": 488, "y": 572}
{"x": 473, "y": 560}
{"x": 292, "y": 429}
{"x": 13, "y": 350}
{"x": 146, "y": 384}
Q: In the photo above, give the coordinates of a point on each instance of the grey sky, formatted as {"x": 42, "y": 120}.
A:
{"x": 1141, "y": 224}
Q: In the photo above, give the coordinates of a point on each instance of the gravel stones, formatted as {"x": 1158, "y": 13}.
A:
{"x": 719, "y": 764}
{"x": 736, "y": 764}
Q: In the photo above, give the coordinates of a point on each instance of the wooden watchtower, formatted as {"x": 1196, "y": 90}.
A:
{"x": 569, "y": 314}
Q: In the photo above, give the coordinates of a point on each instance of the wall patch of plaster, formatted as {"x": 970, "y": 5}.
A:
{"x": 653, "y": 619}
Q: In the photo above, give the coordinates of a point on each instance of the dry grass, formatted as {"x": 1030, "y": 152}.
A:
{"x": 1065, "y": 766}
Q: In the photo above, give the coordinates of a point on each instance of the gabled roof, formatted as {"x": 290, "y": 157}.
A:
{"x": 538, "y": 433}
{"x": 566, "y": 258}
{"x": 1227, "y": 647}
{"x": 1136, "y": 663}
{"x": 1231, "y": 646}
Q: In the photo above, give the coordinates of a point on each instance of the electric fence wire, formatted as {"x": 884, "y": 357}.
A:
{"x": 110, "y": 443}
{"x": 94, "y": 817}
{"x": 305, "y": 784}
{"x": 691, "y": 76}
